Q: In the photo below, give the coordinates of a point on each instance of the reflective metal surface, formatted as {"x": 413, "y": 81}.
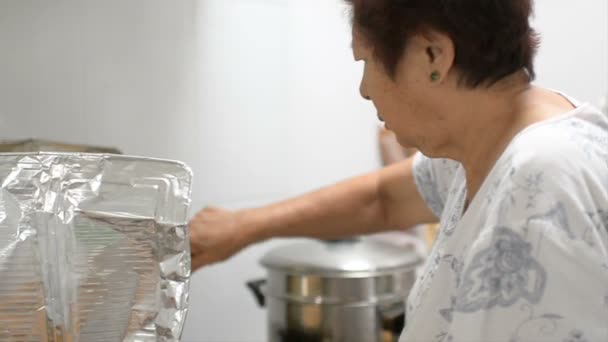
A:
{"x": 93, "y": 248}
{"x": 354, "y": 257}
{"x": 337, "y": 309}
{"x": 292, "y": 322}
{"x": 340, "y": 291}
{"x": 309, "y": 301}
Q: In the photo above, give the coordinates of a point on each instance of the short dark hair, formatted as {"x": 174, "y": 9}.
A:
{"x": 492, "y": 38}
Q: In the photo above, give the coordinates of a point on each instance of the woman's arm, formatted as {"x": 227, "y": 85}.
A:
{"x": 383, "y": 200}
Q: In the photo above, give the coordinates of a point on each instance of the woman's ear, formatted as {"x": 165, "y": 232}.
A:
{"x": 432, "y": 53}
{"x": 440, "y": 54}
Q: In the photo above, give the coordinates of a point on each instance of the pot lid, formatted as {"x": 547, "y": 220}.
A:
{"x": 351, "y": 257}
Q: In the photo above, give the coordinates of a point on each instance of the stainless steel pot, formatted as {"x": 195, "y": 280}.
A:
{"x": 347, "y": 290}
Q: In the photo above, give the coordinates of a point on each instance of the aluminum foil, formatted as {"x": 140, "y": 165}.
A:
{"x": 93, "y": 248}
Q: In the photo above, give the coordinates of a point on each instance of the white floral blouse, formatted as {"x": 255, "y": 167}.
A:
{"x": 528, "y": 260}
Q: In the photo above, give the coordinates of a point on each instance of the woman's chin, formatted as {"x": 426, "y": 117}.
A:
{"x": 404, "y": 141}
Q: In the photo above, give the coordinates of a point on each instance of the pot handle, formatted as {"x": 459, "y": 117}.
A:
{"x": 257, "y": 288}
{"x": 393, "y": 317}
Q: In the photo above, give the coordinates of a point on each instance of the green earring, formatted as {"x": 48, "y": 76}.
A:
{"x": 435, "y": 76}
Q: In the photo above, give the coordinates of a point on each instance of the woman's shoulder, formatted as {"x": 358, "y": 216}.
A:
{"x": 574, "y": 140}
{"x": 563, "y": 158}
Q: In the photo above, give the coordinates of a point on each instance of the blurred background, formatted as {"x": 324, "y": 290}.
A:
{"x": 259, "y": 97}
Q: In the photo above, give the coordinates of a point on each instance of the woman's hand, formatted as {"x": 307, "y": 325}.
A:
{"x": 215, "y": 235}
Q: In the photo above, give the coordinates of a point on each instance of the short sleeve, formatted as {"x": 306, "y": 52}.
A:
{"x": 538, "y": 269}
{"x": 433, "y": 178}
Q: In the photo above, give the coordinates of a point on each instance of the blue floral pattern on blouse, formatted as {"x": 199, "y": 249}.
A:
{"x": 528, "y": 260}
{"x": 501, "y": 275}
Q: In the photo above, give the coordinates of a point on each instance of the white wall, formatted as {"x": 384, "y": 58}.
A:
{"x": 280, "y": 114}
{"x": 92, "y": 71}
{"x": 258, "y": 96}
{"x": 238, "y": 89}
{"x": 241, "y": 150}
{"x": 574, "y": 51}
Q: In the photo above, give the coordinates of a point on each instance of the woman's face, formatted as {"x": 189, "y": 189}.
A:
{"x": 407, "y": 104}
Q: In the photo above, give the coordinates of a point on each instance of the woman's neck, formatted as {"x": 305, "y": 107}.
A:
{"x": 495, "y": 120}
{"x": 488, "y": 119}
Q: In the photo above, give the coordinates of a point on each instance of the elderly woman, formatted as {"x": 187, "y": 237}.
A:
{"x": 517, "y": 175}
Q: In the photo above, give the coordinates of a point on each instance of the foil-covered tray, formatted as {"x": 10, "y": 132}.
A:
{"x": 93, "y": 247}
